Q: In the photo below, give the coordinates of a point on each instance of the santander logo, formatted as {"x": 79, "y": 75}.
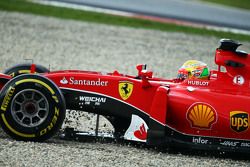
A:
{"x": 85, "y": 82}
{"x": 64, "y": 81}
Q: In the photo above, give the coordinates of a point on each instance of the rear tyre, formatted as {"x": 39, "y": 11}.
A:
{"x": 25, "y": 69}
{"x": 32, "y": 108}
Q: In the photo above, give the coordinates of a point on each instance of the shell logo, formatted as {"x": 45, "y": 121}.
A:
{"x": 201, "y": 115}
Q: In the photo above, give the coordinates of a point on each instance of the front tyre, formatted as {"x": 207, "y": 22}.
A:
{"x": 32, "y": 108}
{"x": 20, "y": 69}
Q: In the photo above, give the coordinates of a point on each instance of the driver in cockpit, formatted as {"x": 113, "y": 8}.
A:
{"x": 193, "y": 69}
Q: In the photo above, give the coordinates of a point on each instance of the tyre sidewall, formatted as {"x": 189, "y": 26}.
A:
{"x": 20, "y": 69}
{"x": 55, "y": 115}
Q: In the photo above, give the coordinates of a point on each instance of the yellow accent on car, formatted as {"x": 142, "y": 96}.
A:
{"x": 51, "y": 124}
{"x": 36, "y": 81}
{"x": 125, "y": 89}
{"x": 24, "y": 71}
{"x": 7, "y": 98}
{"x": 12, "y": 74}
{"x": 14, "y": 131}
{"x": 56, "y": 99}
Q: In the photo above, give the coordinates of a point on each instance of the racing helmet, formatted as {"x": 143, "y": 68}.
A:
{"x": 193, "y": 69}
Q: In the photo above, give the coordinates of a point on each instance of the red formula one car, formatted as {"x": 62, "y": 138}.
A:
{"x": 211, "y": 113}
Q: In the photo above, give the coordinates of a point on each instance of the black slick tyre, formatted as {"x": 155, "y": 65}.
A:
{"x": 32, "y": 108}
{"x": 20, "y": 69}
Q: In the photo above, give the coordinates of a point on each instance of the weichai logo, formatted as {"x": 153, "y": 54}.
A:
{"x": 239, "y": 121}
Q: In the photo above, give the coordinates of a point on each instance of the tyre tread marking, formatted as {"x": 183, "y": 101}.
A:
{"x": 7, "y": 98}
{"x": 36, "y": 81}
{"x": 23, "y": 71}
{"x": 52, "y": 123}
{"x": 14, "y": 131}
{"x": 56, "y": 99}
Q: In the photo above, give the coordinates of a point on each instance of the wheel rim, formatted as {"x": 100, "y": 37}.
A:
{"x": 29, "y": 108}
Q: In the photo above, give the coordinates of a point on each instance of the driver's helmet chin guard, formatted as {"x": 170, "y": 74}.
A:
{"x": 193, "y": 69}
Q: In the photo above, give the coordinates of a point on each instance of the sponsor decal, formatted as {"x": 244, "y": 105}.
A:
{"x": 239, "y": 121}
{"x": 197, "y": 83}
{"x": 230, "y": 143}
{"x": 201, "y": 115}
{"x": 88, "y": 99}
{"x": 64, "y": 81}
{"x": 235, "y": 144}
{"x": 85, "y": 82}
{"x": 245, "y": 144}
{"x": 7, "y": 98}
{"x": 199, "y": 140}
{"x": 239, "y": 80}
{"x": 137, "y": 130}
{"x": 141, "y": 133}
{"x": 125, "y": 89}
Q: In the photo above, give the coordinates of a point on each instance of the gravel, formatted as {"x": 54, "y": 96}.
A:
{"x": 65, "y": 44}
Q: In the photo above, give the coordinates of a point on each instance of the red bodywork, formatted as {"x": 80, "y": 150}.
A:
{"x": 168, "y": 101}
{"x": 3, "y": 79}
{"x": 199, "y": 111}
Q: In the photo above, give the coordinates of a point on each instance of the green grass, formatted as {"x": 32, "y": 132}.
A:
{"x": 244, "y": 4}
{"x": 65, "y": 13}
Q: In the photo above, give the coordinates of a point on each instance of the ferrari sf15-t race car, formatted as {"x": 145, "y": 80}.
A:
{"x": 204, "y": 113}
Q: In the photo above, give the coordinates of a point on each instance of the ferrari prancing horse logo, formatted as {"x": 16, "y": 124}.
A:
{"x": 125, "y": 89}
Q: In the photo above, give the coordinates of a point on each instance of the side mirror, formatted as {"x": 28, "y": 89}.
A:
{"x": 142, "y": 71}
{"x": 144, "y": 75}
{"x": 141, "y": 67}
